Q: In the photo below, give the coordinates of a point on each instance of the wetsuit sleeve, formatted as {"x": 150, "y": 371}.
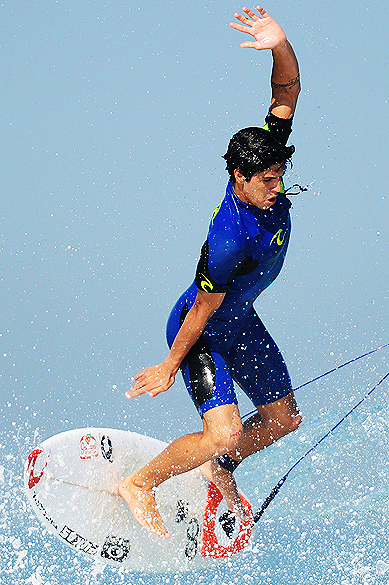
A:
{"x": 204, "y": 280}
{"x": 278, "y": 127}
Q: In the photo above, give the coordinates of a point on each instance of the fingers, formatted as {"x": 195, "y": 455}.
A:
{"x": 151, "y": 381}
{"x": 265, "y": 30}
{"x": 249, "y": 22}
{"x": 239, "y": 27}
{"x": 262, "y": 11}
{"x": 244, "y": 20}
{"x": 133, "y": 392}
{"x": 250, "y": 13}
{"x": 143, "y": 387}
{"x": 248, "y": 45}
{"x": 139, "y": 387}
{"x": 254, "y": 17}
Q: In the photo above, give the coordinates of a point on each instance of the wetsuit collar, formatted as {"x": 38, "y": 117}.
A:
{"x": 279, "y": 208}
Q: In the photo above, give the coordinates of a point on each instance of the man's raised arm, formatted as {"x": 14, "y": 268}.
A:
{"x": 285, "y": 79}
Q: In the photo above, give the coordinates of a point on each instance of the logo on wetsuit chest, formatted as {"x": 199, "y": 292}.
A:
{"x": 279, "y": 237}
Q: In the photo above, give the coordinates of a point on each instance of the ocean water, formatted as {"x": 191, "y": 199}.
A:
{"x": 327, "y": 525}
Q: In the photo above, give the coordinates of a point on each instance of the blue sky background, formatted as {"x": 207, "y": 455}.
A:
{"x": 114, "y": 120}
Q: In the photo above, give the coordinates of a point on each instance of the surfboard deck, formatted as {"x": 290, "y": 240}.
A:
{"x": 71, "y": 481}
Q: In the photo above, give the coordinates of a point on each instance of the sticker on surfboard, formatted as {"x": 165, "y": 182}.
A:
{"x": 224, "y": 534}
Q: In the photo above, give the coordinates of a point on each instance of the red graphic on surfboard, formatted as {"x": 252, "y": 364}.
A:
{"x": 88, "y": 447}
{"x": 224, "y": 534}
{"x": 36, "y": 467}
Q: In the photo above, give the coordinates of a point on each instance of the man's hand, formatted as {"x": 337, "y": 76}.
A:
{"x": 157, "y": 379}
{"x": 266, "y": 32}
{"x": 152, "y": 381}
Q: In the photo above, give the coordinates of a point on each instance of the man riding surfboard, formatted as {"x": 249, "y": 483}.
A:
{"x": 215, "y": 335}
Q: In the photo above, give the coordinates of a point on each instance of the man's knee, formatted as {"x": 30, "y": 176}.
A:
{"x": 286, "y": 423}
{"x": 223, "y": 428}
{"x": 281, "y": 417}
{"x": 294, "y": 422}
{"x": 226, "y": 437}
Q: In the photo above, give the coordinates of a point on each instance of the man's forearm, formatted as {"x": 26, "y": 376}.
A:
{"x": 285, "y": 80}
{"x": 187, "y": 336}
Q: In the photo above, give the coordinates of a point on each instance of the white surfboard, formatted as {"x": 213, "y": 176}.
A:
{"x": 72, "y": 479}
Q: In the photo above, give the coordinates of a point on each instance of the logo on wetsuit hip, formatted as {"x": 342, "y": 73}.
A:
{"x": 279, "y": 237}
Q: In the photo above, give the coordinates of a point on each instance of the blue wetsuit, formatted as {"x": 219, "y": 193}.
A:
{"x": 243, "y": 254}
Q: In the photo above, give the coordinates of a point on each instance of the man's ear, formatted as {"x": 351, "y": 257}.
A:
{"x": 239, "y": 178}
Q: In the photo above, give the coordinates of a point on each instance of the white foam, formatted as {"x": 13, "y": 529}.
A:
{"x": 381, "y": 568}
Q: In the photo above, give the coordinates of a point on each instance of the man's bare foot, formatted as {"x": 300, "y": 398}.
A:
{"x": 142, "y": 504}
{"x": 226, "y": 484}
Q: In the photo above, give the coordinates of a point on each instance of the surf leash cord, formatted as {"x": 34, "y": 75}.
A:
{"x": 327, "y": 373}
{"x": 277, "y": 487}
{"x": 341, "y": 366}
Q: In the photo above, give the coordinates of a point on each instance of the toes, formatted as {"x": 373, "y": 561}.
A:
{"x": 151, "y": 521}
{"x": 143, "y": 508}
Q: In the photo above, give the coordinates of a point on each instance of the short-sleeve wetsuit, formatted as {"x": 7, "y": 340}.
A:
{"x": 242, "y": 255}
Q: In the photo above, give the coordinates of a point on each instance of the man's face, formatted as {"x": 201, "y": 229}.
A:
{"x": 262, "y": 189}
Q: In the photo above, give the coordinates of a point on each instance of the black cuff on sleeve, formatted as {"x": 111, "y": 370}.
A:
{"x": 280, "y": 128}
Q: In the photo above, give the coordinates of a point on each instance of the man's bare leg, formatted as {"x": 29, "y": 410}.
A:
{"x": 226, "y": 484}
{"x": 222, "y": 431}
{"x": 271, "y": 422}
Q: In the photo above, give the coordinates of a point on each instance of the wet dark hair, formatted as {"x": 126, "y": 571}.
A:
{"x": 254, "y": 150}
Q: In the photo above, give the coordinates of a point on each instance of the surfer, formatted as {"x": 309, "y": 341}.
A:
{"x": 215, "y": 335}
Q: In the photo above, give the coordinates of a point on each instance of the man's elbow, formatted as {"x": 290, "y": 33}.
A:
{"x": 207, "y": 303}
{"x": 284, "y": 105}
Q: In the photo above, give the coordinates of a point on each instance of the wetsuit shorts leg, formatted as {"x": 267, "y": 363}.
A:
{"x": 205, "y": 372}
{"x": 254, "y": 362}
